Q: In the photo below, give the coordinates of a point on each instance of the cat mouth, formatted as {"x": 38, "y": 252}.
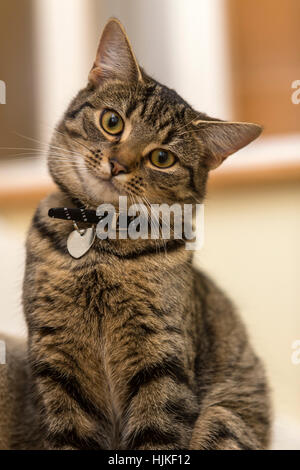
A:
{"x": 100, "y": 189}
{"x": 106, "y": 182}
{"x": 108, "y": 186}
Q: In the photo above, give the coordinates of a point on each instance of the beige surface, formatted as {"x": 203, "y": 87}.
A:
{"x": 252, "y": 249}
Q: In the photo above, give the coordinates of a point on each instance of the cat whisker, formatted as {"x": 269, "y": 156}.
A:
{"x": 45, "y": 146}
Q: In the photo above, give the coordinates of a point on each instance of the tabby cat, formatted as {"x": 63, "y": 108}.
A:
{"x": 129, "y": 346}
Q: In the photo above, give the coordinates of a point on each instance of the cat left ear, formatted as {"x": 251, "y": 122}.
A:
{"x": 115, "y": 58}
{"x": 223, "y": 138}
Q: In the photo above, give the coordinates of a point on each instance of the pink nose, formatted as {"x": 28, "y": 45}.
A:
{"x": 117, "y": 168}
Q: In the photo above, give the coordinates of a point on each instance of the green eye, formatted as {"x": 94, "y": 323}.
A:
{"x": 162, "y": 158}
{"x": 111, "y": 122}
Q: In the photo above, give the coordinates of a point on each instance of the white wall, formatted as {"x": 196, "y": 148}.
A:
{"x": 181, "y": 43}
{"x": 64, "y": 45}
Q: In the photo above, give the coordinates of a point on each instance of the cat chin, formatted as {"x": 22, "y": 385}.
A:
{"x": 101, "y": 190}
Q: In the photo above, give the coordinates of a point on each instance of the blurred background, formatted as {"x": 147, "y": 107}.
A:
{"x": 233, "y": 59}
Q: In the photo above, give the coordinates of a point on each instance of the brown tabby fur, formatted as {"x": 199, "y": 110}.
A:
{"x": 130, "y": 347}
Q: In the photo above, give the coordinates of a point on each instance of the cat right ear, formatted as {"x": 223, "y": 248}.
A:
{"x": 222, "y": 138}
{"x": 115, "y": 58}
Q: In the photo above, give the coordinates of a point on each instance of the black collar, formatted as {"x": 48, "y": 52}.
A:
{"x": 80, "y": 215}
{"x": 76, "y": 215}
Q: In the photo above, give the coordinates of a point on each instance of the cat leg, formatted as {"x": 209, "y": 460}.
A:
{"x": 160, "y": 415}
{"x": 70, "y": 418}
{"x": 219, "y": 428}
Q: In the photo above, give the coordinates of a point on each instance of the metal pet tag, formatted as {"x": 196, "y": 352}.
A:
{"x": 80, "y": 241}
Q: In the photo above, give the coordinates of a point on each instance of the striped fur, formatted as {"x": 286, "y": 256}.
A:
{"x": 130, "y": 347}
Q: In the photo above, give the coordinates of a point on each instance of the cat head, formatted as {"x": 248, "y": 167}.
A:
{"x": 126, "y": 134}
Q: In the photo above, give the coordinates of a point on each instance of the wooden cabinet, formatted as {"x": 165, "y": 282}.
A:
{"x": 265, "y": 60}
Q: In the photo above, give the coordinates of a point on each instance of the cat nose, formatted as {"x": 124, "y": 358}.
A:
{"x": 117, "y": 167}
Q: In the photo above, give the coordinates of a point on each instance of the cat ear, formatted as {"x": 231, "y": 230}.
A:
{"x": 224, "y": 138}
{"x": 115, "y": 58}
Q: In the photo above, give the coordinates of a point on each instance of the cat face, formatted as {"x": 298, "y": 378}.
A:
{"x": 126, "y": 134}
